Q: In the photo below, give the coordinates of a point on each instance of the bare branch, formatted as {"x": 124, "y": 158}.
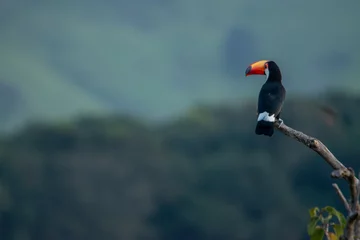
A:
{"x": 349, "y": 230}
{"x": 312, "y": 143}
{"x": 357, "y": 229}
{"x": 326, "y": 230}
{"x": 340, "y": 171}
{"x": 353, "y": 189}
{"x": 357, "y": 223}
{"x": 342, "y": 197}
{"x": 358, "y": 190}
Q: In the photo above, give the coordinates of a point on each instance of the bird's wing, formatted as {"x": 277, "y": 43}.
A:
{"x": 271, "y": 98}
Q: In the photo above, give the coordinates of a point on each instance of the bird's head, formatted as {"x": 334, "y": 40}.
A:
{"x": 264, "y": 67}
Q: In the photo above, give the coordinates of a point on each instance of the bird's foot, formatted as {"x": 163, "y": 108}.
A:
{"x": 280, "y": 122}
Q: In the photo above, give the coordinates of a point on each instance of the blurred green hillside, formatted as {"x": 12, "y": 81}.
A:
{"x": 157, "y": 58}
{"x": 203, "y": 176}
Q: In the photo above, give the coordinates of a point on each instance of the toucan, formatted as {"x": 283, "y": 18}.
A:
{"x": 271, "y": 97}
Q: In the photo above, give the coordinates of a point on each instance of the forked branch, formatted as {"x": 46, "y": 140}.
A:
{"x": 340, "y": 171}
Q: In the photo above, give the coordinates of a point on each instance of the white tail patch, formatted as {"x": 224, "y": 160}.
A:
{"x": 265, "y": 116}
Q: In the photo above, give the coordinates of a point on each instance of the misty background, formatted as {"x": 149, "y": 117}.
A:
{"x": 133, "y": 119}
{"x": 157, "y": 58}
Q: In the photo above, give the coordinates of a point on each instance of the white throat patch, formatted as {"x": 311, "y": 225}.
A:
{"x": 267, "y": 73}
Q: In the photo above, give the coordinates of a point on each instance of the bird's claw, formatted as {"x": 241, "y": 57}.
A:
{"x": 280, "y": 122}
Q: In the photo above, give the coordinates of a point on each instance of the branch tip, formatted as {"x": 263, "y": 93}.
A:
{"x": 342, "y": 197}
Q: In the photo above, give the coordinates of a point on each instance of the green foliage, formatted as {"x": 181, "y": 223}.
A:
{"x": 204, "y": 176}
{"x": 312, "y": 226}
{"x": 340, "y": 217}
{"x": 333, "y": 236}
{"x": 313, "y": 212}
{"x": 321, "y": 220}
{"x": 338, "y": 229}
{"x": 318, "y": 234}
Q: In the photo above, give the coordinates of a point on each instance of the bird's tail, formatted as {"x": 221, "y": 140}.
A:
{"x": 264, "y": 128}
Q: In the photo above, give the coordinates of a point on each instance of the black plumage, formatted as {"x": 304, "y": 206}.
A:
{"x": 271, "y": 96}
{"x": 270, "y": 101}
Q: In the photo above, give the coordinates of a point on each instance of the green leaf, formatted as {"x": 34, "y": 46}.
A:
{"x": 312, "y": 225}
{"x": 327, "y": 219}
{"x": 314, "y": 211}
{"x": 339, "y": 230}
{"x": 339, "y": 215}
{"x": 332, "y": 236}
{"x": 318, "y": 234}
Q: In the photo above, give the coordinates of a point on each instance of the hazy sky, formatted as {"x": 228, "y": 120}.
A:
{"x": 65, "y": 58}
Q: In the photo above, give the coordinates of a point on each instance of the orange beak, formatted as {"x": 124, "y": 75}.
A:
{"x": 257, "y": 68}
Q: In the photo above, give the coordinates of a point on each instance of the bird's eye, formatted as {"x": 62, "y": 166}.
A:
{"x": 266, "y": 65}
